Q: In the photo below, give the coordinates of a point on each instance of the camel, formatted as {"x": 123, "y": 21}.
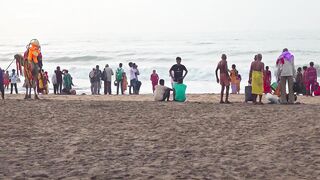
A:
{"x": 31, "y": 72}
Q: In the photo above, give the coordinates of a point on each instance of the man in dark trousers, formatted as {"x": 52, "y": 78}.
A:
{"x": 59, "y": 80}
{"x": 177, "y": 70}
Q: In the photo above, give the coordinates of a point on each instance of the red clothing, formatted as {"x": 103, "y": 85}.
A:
{"x": 312, "y": 74}
{"x": 267, "y": 82}
{"x": 154, "y": 79}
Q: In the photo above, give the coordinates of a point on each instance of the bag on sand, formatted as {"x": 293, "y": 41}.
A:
{"x": 248, "y": 93}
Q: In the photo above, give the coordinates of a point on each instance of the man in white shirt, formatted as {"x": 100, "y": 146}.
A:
{"x": 161, "y": 92}
{"x": 13, "y": 80}
{"x": 54, "y": 82}
{"x": 133, "y": 77}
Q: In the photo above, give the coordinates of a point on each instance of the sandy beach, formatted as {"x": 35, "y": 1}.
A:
{"x": 132, "y": 137}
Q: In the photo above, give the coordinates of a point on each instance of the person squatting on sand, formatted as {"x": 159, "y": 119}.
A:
{"x": 256, "y": 78}
{"x": 161, "y": 92}
{"x": 285, "y": 73}
{"x": 179, "y": 91}
{"x": 107, "y": 78}
{"x": 154, "y": 78}
{"x": 224, "y": 80}
{"x": 177, "y": 71}
{"x": 1, "y": 83}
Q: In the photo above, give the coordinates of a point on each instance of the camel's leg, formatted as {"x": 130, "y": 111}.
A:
{"x": 26, "y": 96}
{"x": 29, "y": 96}
{"x": 35, "y": 94}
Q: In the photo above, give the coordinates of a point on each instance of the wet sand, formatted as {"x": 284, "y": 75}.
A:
{"x": 132, "y": 137}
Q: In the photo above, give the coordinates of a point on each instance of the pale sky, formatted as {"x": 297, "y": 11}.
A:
{"x": 30, "y": 17}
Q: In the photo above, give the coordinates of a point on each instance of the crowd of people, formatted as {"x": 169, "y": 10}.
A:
{"x": 301, "y": 81}
{"x": 260, "y": 79}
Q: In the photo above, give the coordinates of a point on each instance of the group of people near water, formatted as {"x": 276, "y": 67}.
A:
{"x": 300, "y": 81}
{"x": 260, "y": 79}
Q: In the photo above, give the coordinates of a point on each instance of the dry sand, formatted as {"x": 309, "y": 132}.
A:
{"x": 132, "y": 137}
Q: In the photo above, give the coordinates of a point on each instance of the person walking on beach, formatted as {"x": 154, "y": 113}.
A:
{"x": 256, "y": 78}
{"x": 286, "y": 72}
{"x": 1, "y": 83}
{"x": 54, "y": 82}
{"x": 176, "y": 71}
{"x": 161, "y": 92}
{"x": 107, "y": 78}
{"x": 13, "y": 80}
{"x": 154, "y": 78}
{"x": 59, "y": 80}
{"x": 311, "y": 79}
{"x": 267, "y": 80}
{"x": 233, "y": 78}
{"x": 119, "y": 77}
{"x": 224, "y": 78}
{"x": 97, "y": 80}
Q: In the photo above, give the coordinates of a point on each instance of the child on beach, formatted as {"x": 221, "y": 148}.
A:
{"x": 224, "y": 78}
{"x": 299, "y": 81}
{"x": 6, "y": 80}
{"x": 267, "y": 80}
{"x": 233, "y": 77}
{"x": 154, "y": 78}
{"x": 124, "y": 82}
{"x": 304, "y": 80}
{"x": 238, "y": 83}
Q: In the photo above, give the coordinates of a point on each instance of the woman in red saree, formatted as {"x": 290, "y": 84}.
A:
{"x": 267, "y": 80}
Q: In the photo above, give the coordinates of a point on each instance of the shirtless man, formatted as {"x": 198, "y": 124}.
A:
{"x": 256, "y": 78}
{"x": 224, "y": 78}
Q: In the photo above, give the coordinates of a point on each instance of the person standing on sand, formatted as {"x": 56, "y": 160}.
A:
{"x": 233, "y": 78}
{"x": 286, "y": 72}
{"x": 119, "y": 76}
{"x": 59, "y": 80}
{"x": 311, "y": 79}
{"x": 256, "y": 78}
{"x": 13, "y": 80}
{"x": 299, "y": 80}
{"x": 154, "y": 78}
{"x": 107, "y": 77}
{"x": 177, "y": 70}
{"x": 6, "y": 80}
{"x": 224, "y": 78}
{"x": 67, "y": 81}
{"x": 54, "y": 82}
{"x": 267, "y": 80}
{"x": 97, "y": 81}
{"x": 1, "y": 83}
{"x": 91, "y": 77}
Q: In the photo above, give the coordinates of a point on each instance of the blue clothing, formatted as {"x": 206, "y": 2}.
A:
{"x": 1, "y": 77}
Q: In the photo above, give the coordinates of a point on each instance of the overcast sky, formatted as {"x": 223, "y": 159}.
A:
{"x": 99, "y": 16}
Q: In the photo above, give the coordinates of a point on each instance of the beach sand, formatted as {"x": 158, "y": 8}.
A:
{"x": 132, "y": 137}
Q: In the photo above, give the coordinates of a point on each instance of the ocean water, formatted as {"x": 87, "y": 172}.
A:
{"x": 200, "y": 53}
